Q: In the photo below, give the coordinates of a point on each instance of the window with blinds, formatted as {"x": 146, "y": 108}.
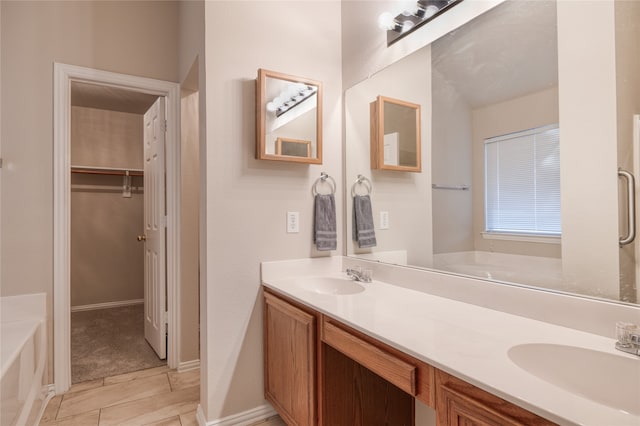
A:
{"x": 522, "y": 182}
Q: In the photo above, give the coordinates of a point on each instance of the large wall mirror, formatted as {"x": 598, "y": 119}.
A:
{"x": 289, "y": 118}
{"x": 528, "y": 112}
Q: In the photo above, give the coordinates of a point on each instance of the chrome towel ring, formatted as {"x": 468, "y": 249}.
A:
{"x": 324, "y": 178}
{"x": 364, "y": 181}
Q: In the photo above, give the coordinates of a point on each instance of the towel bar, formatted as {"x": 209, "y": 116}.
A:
{"x": 364, "y": 181}
{"x": 459, "y": 187}
{"x": 322, "y": 179}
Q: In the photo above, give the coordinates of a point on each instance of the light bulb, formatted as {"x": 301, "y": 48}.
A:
{"x": 386, "y": 21}
{"x": 271, "y": 107}
{"x": 407, "y": 25}
{"x": 430, "y": 11}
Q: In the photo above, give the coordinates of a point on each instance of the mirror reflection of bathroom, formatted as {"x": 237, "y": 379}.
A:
{"x": 493, "y": 95}
{"x": 495, "y": 151}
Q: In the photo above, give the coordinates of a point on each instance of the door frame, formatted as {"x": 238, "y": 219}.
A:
{"x": 64, "y": 75}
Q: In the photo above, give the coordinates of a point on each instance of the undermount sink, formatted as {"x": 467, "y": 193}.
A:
{"x": 608, "y": 379}
{"x": 331, "y": 285}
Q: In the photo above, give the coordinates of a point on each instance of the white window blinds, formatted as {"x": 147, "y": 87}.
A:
{"x": 522, "y": 182}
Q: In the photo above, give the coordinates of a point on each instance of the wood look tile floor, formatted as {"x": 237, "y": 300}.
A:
{"x": 157, "y": 396}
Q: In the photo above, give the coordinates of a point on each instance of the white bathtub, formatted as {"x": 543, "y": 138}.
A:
{"x": 529, "y": 270}
{"x": 23, "y": 354}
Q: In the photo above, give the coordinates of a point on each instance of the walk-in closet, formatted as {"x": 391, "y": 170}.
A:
{"x": 107, "y": 233}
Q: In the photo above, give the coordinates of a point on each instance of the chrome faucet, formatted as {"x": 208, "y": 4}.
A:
{"x": 358, "y": 275}
{"x": 628, "y": 337}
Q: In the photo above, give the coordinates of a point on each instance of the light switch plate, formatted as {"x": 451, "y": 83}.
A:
{"x": 384, "y": 220}
{"x": 293, "y": 222}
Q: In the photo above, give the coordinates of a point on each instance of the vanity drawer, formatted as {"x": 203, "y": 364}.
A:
{"x": 405, "y": 372}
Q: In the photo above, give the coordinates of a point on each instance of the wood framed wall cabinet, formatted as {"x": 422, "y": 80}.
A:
{"x": 288, "y": 118}
{"x": 395, "y": 135}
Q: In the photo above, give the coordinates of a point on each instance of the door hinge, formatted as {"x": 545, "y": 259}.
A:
{"x": 165, "y": 126}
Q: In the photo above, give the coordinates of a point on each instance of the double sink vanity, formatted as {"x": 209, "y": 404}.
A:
{"x": 342, "y": 352}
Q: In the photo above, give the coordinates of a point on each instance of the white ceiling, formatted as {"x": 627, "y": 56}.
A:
{"x": 110, "y": 98}
{"x": 508, "y": 52}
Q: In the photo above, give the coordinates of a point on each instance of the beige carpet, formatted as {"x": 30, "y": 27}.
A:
{"x": 107, "y": 342}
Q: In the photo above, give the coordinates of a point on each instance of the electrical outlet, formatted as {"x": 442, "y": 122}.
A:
{"x": 293, "y": 222}
{"x": 384, "y": 220}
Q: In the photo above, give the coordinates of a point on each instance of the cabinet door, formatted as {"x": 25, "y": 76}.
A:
{"x": 289, "y": 356}
{"x": 464, "y": 411}
{"x": 459, "y": 403}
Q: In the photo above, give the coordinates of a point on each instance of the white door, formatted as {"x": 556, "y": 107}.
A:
{"x": 155, "y": 228}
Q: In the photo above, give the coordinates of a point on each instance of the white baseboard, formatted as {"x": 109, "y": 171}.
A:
{"x": 107, "y": 305}
{"x": 245, "y": 418}
{"x": 188, "y": 365}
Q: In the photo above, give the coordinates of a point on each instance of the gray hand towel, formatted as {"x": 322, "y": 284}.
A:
{"x": 324, "y": 222}
{"x": 363, "y": 229}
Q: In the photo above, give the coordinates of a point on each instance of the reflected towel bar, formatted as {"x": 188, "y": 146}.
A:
{"x": 364, "y": 181}
{"x": 458, "y": 187}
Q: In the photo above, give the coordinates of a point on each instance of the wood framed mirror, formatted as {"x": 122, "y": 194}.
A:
{"x": 395, "y": 135}
{"x": 289, "y": 118}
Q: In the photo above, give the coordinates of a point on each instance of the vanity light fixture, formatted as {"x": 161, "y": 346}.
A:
{"x": 406, "y": 22}
{"x": 290, "y": 97}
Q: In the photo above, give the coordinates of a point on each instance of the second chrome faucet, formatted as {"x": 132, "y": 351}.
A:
{"x": 359, "y": 274}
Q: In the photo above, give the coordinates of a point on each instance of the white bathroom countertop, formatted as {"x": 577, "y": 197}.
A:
{"x": 467, "y": 341}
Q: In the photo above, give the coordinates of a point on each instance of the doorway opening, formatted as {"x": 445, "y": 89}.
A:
{"x": 115, "y": 326}
{"x": 79, "y": 186}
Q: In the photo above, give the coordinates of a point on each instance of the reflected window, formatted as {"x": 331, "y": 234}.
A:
{"x": 522, "y": 182}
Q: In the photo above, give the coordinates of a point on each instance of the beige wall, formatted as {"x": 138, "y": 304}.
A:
{"x": 451, "y": 164}
{"x": 34, "y": 36}
{"x": 106, "y": 138}
{"x": 526, "y": 112}
{"x": 190, "y": 218}
{"x": 588, "y": 147}
{"x": 405, "y": 196}
{"x": 247, "y": 199}
{"x": 106, "y": 258}
{"x": 138, "y": 38}
{"x": 191, "y": 74}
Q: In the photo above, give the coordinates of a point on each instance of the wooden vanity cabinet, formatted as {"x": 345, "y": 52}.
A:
{"x": 319, "y": 371}
{"x": 459, "y": 403}
{"x": 409, "y": 374}
{"x": 290, "y": 360}
{"x": 367, "y": 382}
